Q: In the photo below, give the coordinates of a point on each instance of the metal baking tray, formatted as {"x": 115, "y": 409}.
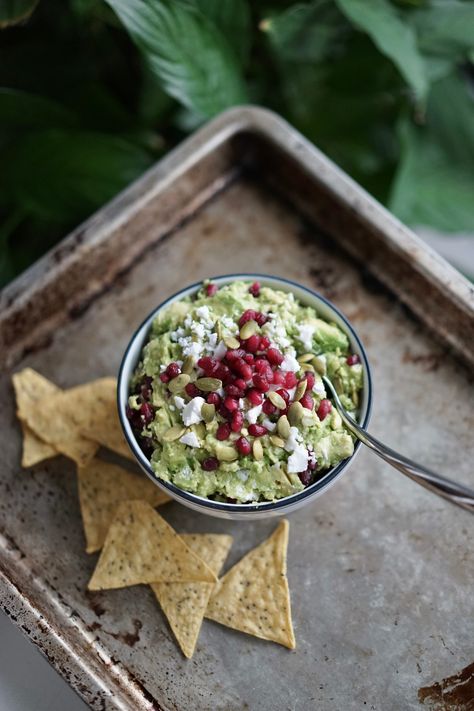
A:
{"x": 381, "y": 572}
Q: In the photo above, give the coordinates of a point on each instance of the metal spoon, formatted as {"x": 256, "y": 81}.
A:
{"x": 450, "y": 490}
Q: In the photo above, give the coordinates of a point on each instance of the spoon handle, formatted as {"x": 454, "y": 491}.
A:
{"x": 447, "y": 489}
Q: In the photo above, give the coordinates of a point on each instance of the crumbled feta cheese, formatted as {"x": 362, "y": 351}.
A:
{"x": 163, "y": 367}
{"x": 190, "y": 438}
{"x": 305, "y": 335}
{"x": 276, "y": 331}
{"x": 180, "y": 402}
{"x": 290, "y": 363}
{"x": 318, "y": 388}
{"x": 253, "y": 413}
{"x": 220, "y": 350}
{"x": 293, "y": 440}
{"x": 323, "y": 448}
{"x": 203, "y": 313}
{"x": 298, "y": 461}
{"x": 243, "y": 474}
{"x": 191, "y": 413}
{"x": 271, "y": 426}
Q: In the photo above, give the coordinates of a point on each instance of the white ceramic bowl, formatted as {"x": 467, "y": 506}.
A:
{"x": 251, "y": 510}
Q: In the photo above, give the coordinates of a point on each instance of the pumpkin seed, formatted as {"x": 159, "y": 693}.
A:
{"x": 248, "y": 329}
{"x": 257, "y": 450}
{"x": 283, "y": 427}
{"x": 307, "y": 367}
{"x": 179, "y": 383}
{"x": 224, "y": 453}
{"x": 232, "y": 342}
{"x": 188, "y": 365}
{"x": 301, "y": 389}
{"x": 209, "y": 385}
{"x": 319, "y": 365}
{"x": 277, "y": 441}
{"x": 306, "y": 358}
{"x": 295, "y": 413}
{"x": 355, "y": 398}
{"x": 200, "y": 430}
{"x": 208, "y": 412}
{"x": 277, "y": 400}
{"x": 173, "y": 433}
{"x": 336, "y": 420}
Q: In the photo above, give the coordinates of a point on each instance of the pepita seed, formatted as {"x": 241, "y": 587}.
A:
{"x": 173, "y": 433}
{"x": 295, "y": 413}
{"x": 248, "y": 329}
{"x": 188, "y": 365}
{"x": 306, "y": 358}
{"x": 355, "y": 398}
{"x": 336, "y": 420}
{"x": 208, "y": 412}
{"x": 301, "y": 389}
{"x": 179, "y": 383}
{"x": 232, "y": 342}
{"x": 277, "y": 400}
{"x": 307, "y": 367}
{"x": 257, "y": 450}
{"x": 277, "y": 441}
{"x": 283, "y": 427}
{"x": 224, "y": 453}
{"x": 200, "y": 430}
{"x": 209, "y": 385}
{"x": 319, "y": 365}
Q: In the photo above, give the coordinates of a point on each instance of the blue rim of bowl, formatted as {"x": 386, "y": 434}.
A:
{"x": 319, "y": 484}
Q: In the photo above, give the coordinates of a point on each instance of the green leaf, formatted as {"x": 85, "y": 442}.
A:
{"x": 392, "y": 36}
{"x": 232, "y": 19}
{"x": 434, "y": 184}
{"x": 14, "y": 11}
{"x": 65, "y": 175}
{"x": 193, "y": 60}
{"x": 19, "y": 109}
{"x": 444, "y": 27}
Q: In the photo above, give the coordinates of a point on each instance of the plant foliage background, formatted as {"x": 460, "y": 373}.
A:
{"x": 94, "y": 91}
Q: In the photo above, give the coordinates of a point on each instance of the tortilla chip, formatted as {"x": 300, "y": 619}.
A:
{"x": 141, "y": 547}
{"x": 102, "y": 486}
{"x": 253, "y": 596}
{"x": 184, "y": 604}
{"x": 44, "y": 408}
{"x": 34, "y": 449}
{"x": 93, "y": 408}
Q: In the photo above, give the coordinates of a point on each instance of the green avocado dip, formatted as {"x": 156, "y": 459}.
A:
{"x": 227, "y": 400}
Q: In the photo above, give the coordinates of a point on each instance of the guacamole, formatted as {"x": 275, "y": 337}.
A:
{"x": 227, "y": 400}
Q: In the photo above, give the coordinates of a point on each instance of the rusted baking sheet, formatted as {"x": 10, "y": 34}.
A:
{"x": 381, "y": 572}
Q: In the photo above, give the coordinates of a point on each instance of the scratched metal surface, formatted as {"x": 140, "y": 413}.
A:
{"x": 381, "y": 572}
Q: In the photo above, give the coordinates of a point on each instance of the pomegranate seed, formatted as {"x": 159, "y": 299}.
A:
{"x": 210, "y": 464}
{"x": 309, "y": 377}
{"x": 257, "y": 430}
{"x": 305, "y": 477}
{"x": 146, "y": 445}
{"x": 263, "y": 368}
{"x": 352, "y": 359}
{"x": 248, "y": 358}
{"x": 233, "y": 391}
{"x": 261, "y": 319}
{"x": 290, "y": 380}
{"x": 261, "y": 383}
{"x": 231, "y": 404}
{"x": 146, "y": 387}
{"x": 248, "y": 315}
{"x": 264, "y": 342}
{"x": 164, "y": 377}
{"x": 279, "y": 378}
{"x": 312, "y": 464}
{"x": 211, "y": 289}
{"x": 223, "y": 431}
{"x": 252, "y": 344}
{"x": 224, "y": 412}
{"x": 268, "y": 408}
{"x": 208, "y": 365}
{"x": 147, "y": 413}
{"x": 243, "y": 446}
{"x": 192, "y": 390}
{"x": 274, "y": 356}
{"x": 214, "y": 399}
{"x": 254, "y": 397}
{"x": 242, "y": 368}
{"x": 284, "y": 394}
{"x": 173, "y": 370}
{"x": 237, "y": 421}
{"x": 325, "y": 407}
{"x": 223, "y": 373}
{"x": 233, "y": 354}
{"x": 307, "y": 401}
{"x": 241, "y": 384}
{"x": 133, "y": 417}
{"x": 255, "y": 289}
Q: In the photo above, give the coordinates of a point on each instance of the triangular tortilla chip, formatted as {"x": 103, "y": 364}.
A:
{"x": 34, "y": 449}
{"x": 184, "y": 604}
{"x": 44, "y": 408}
{"x": 253, "y": 596}
{"x": 142, "y": 548}
{"x": 102, "y": 486}
{"x": 93, "y": 408}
